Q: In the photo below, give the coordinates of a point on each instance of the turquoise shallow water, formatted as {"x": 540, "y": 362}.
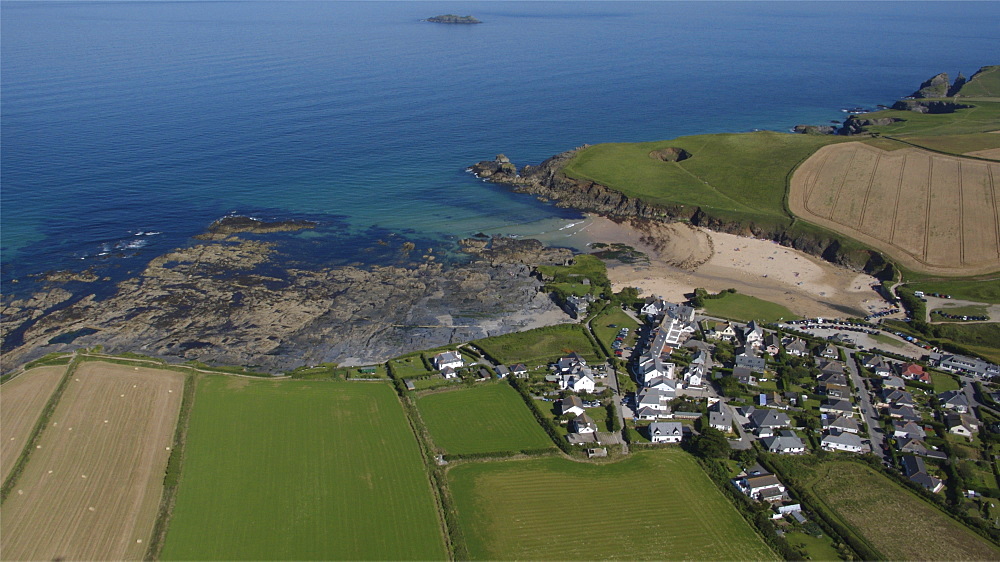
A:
{"x": 129, "y": 127}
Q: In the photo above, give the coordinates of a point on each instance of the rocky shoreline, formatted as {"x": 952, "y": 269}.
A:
{"x": 231, "y": 300}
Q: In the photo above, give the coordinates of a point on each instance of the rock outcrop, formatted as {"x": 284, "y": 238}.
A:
{"x": 815, "y": 129}
{"x": 670, "y": 154}
{"x": 452, "y": 18}
{"x": 234, "y": 302}
{"x": 924, "y": 106}
{"x": 855, "y": 125}
{"x": 957, "y": 86}
{"x": 934, "y": 87}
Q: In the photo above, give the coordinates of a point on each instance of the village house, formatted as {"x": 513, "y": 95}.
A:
{"x": 954, "y": 400}
{"x": 786, "y": 442}
{"x": 963, "y": 364}
{"x": 829, "y": 367}
{"x": 904, "y": 412}
{"x": 878, "y": 365}
{"x": 913, "y": 372}
{"x": 796, "y": 346}
{"x": 449, "y": 373}
{"x": 771, "y": 344}
{"x": 666, "y": 432}
{"x": 892, "y": 382}
{"x": 750, "y": 361}
{"x": 745, "y": 376}
{"x": 915, "y": 469}
{"x": 764, "y": 422}
{"x": 962, "y": 424}
{"x": 583, "y": 424}
{"x": 577, "y": 382}
{"x": 519, "y": 371}
{"x": 571, "y": 405}
{"x": 720, "y": 331}
{"x": 894, "y": 397}
{"x": 752, "y": 335}
{"x": 502, "y": 371}
{"x": 837, "y": 407}
{"x": 720, "y": 417}
{"x": 840, "y": 424}
{"x": 451, "y": 359}
{"x": 909, "y": 429}
{"x": 763, "y": 487}
{"x": 848, "y": 442}
{"x": 829, "y": 351}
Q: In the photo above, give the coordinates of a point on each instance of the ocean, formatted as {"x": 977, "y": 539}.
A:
{"x": 128, "y": 127}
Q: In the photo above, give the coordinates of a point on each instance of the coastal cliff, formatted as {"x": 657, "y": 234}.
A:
{"x": 547, "y": 182}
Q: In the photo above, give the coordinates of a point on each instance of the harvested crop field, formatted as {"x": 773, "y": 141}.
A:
{"x": 301, "y": 470}
{"x": 931, "y": 212}
{"x": 92, "y": 489}
{"x": 653, "y": 505}
{"x": 21, "y": 402}
{"x": 893, "y": 520}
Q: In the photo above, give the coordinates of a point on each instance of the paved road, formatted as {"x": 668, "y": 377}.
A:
{"x": 868, "y": 412}
{"x": 612, "y": 383}
{"x": 934, "y": 303}
{"x": 865, "y": 340}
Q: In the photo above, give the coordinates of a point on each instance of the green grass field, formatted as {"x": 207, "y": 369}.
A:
{"x": 539, "y": 346}
{"x": 301, "y": 470}
{"x": 818, "y": 548}
{"x": 893, "y": 520}
{"x": 488, "y": 417}
{"x": 943, "y": 382}
{"x": 618, "y": 318}
{"x": 978, "y": 291}
{"x": 736, "y": 174}
{"x": 983, "y": 84}
{"x": 982, "y": 118}
{"x": 655, "y": 504}
{"x": 743, "y": 308}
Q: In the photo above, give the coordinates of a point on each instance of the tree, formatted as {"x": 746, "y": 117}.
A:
{"x": 711, "y": 444}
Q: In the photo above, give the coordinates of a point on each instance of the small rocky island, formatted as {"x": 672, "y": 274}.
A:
{"x": 452, "y": 18}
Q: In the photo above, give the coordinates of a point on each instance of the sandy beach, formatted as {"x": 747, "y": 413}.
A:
{"x": 683, "y": 257}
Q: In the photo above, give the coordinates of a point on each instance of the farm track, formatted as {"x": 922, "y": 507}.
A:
{"x": 961, "y": 217}
{"x": 868, "y": 191}
{"x": 927, "y": 209}
{"x": 996, "y": 212}
{"x": 895, "y": 205}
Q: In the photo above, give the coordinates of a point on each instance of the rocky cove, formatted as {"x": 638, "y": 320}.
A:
{"x": 228, "y": 299}
{"x": 548, "y": 182}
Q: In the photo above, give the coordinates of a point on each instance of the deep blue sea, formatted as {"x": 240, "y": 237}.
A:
{"x": 128, "y": 127}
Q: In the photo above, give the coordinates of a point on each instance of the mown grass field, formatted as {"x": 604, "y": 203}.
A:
{"x": 301, "y": 470}
{"x": 21, "y": 402}
{"x": 92, "y": 488}
{"x": 488, "y": 417}
{"x": 985, "y": 83}
{"x": 979, "y": 291}
{"x": 943, "y": 382}
{"x": 653, "y": 505}
{"x": 893, "y": 520}
{"x": 744, "y": 308}
{"x": 614, "y": 316}
{"x": 737, "y": 174}
{"x": 539, "y": 346}
{"x": 982, "y": 118}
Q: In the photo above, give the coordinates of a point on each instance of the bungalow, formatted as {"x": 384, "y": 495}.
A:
{"x": 571, "y": 405}
{"x": 720, "y": 417}
{"x": 653, "y": 399}
{"x": 913, "y": 372}
{"x": 904, "y": 412}
{"x": 771, "y": 344}
{"x": 833, "y": 378}
{"x": 666, "y": 432}
{"x": 666, "y": 387}
{"x": 907, "y": 429}
{"x": 572, "y": 363}
{"x": 835, "y": 390}
{"x": 519, "y": 370}
{"x": 893, "y": 382}
{"x": 830, "y": 367}
{"x": 962, "y": 424}
{"x": 915, "y": 469}
{"x": 911, "y": 445}
{"x": 954, "y": 400}
{"x": 962, "y": 364}
{"x": 895, "y": 397}
{"x": 647, "y": 413}
{"x": 796, "y": 346}
{"x": 502, "y": 371}
{"x": 583, "y": 424}
{"x": 785, "y": 443}
{"x": 829, "y": 351}
{"x": 840, "y": 424}
{"x": 449, "y": 373}
{"x": 842, "y": 442}
{"x": 837, "y": 406}
{"x": 451, "y": 359}
{"x": 878, "y": 365}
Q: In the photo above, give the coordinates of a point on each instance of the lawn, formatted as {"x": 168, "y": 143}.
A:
{"x": 892, "y": 519}
{"x": 743, "y": 308}
{"x": 817, "y": 548}
{"x": 301, "y": 470}
{"x": 539, "y": 346}
{"x": 737, "y": 174}
{"x": 409, "y": 366}
{"x": 614, "y": 316}
{"x": 488, "y": 417}
{"x": 655, "y": 504}
{"x": 943, "y": 382}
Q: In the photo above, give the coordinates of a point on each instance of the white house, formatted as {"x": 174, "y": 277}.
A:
{"x": 753, "y": 335}
{"x": 583, "y": 424}
{"x": 720, "y": 417}
{"x": 577, "y": 382}
{"x": 721, "y": 331}
{"x": 842, "y": 442}
{"x": 666, "y": 432}
{"x": 451, "y": 359}
{"x": 764, "y": 487}
{"x": 571, "y": 405}
{"x": 654, "y": 400}
{"x": 786, "y": 443}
